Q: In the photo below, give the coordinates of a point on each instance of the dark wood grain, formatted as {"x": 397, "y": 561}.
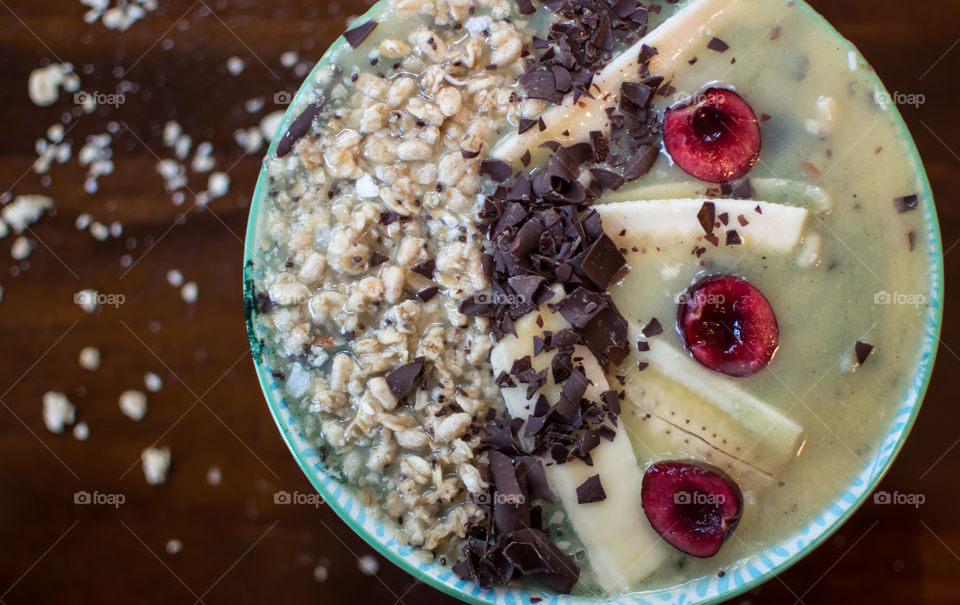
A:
{"x": 239, "y": 547}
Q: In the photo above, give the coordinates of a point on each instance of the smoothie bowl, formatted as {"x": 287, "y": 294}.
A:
{"x": 593, "y": 300}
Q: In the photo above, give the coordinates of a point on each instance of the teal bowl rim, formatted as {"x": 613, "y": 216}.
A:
{"x": 866, "y": 482}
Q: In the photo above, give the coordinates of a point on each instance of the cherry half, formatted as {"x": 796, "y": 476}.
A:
{"x": 729, "y": 325}
{"x": 694, "y": 507}
{"x": 714, "y": 136}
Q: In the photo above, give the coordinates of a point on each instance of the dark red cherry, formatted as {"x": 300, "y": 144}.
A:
{"x": 714, "y": 136}
{"x": 729, "y": 326}
{"x": 693, "y": 506}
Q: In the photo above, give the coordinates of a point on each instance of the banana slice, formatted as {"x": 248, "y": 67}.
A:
{"x": 672, "y": 39}
{"x": 709, "y": 406}
{"x": 656, "y": 223}
{"x": 791, "y": 192}
{"x": 621, "y": 547}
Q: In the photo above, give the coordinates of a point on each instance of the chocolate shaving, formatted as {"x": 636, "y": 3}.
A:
{"x": 378, "y": 258}
{"x": 357, "y": 35}
{"x": 718, "y": 45}
{"x": 591, "y": 490}
{"x": 425, "y": 268}
{"x": 906, "y": 203}
{"x": 707, "y": 216}
{"x": 298, "y": 128}
{"x": 498, "y": 170}
{"x": 427, "y": 294}
{"x": 403, "y": 378}
{"x": 733, "y": 238}
{"x": 862, "y": 351}
{"x": 653, "y": 328}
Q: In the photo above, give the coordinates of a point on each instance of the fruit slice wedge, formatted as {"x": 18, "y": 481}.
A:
{"x": 785, "y": 191}
{"x": 675, "y": 389}
{"x": 674, "y": 37}
{"x": 621, "y": 546}
{"x": 658, "y": 223}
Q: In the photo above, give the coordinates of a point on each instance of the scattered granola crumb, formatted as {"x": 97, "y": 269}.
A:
{"x": 368, "y": 565}
{"x": 218, "y": 185}
{"x": 133, "y": 404}
{"x": 153, "y": 382}
{"x": 174, "y": 278}
{"x": 174, "y": 546}
{"x": 21, "y": 249}
{"x": 289, "y": 59}
{"x": 81, "y": 432}
{"x": 189, "y": 292}
{"x": 156, "y": 463}
{"x": 321, "y": 573}
{"x": 25, "y": 210}
{"x": 214, "y": 476}
{"x": 58, "y": 412}
{"x": 90, "y": 358}
{"x": 235, "y": 66}
{"x": 45, "y": 83}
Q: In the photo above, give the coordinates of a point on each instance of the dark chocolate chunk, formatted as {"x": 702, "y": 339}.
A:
{"x": 427, "y": 294}
{"x": 403, "y": 378}
{"x": 707, "y": 216}
{"x": 862, "y": 351}
{"x": 525, "y": 124}
{"x": 718, "y": 45}
{"x": 525, "y": 7}
{"x": 607, "y": 179}
{"x": 742, "y": 190}
{"x": 591, "y": 490}
{"x": 378, "y": 258}
{"x": 601, "y": 261}
{"x": 652, "y": 328}
{"x": 498, "y": 170}
{"x": 733, "y": 238}
{"x": 300, "y": 126}
{"x": 425, "y": 268}
{"x": 531, "y": 469}
{"x": 906, "y": 203}
{"x": 580, "y": 306}
{"x": 541, "y": 84}
{"x": 640, "y": 162}
{"x": 526, "y": 286}
{"x": 357, "y": 35}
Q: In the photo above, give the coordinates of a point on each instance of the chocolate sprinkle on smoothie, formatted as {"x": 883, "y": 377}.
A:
{"x": 591, "y": 490}
{"x": 300, "y": 126}
{"x": 906, "y": 203}
{"x": 357, "y": 35}
{"x": 718, "y": 45}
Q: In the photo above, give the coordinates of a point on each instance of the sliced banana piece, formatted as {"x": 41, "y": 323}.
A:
{"x": 673, "y": 38}
{"x": 719, "y": 411}
{"x": 658, "y": 223}
{"x": 787, "y": 191}
{"x": 621, "y": 547}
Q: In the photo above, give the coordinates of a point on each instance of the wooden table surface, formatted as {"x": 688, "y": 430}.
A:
{"x": 238, "y": 546}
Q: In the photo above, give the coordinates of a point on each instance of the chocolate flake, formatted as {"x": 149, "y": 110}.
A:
{"x": 718, "y": 45}
{"x": 402, "y": 379}
{"x": 300, "y": 126}
{"x": 427, "y": 294}
{"x": 905, "y": 203}
{"x": 590, "y": 491}
{"x": 425, "y": 268}
{"x": 357, "y": 35}
{"x": 733, "y": 238}
{"x": 498, "y": 170}
{"x": 378, "y": 258}
{"x": 862, "y": 351}
{"x": 707, "y": 216}
{"x": 652, "y": 328}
